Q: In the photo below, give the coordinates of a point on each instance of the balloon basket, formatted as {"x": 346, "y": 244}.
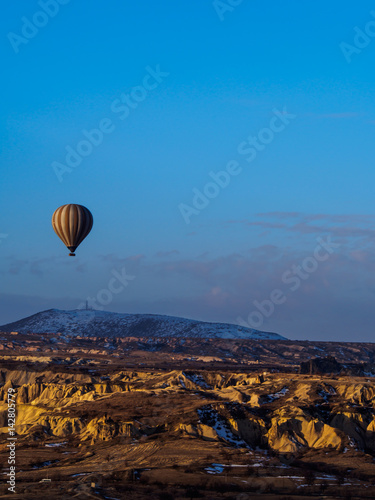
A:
{"x": 72, "y": 254}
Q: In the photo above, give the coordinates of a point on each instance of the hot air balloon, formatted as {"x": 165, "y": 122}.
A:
{"x": 72, "y": 223}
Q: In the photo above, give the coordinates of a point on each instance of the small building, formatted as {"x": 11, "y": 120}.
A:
{"x": 96, "y": 482}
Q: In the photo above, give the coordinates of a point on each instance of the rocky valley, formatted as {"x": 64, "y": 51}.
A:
{"x": 179, "y": 418}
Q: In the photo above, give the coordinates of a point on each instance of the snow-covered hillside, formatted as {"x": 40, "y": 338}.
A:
{"x": 109, "y": 324}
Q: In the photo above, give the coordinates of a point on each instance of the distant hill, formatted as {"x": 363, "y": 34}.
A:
{"x": 109, "y": 324}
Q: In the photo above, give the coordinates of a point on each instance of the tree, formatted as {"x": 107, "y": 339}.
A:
{"x": 193, "y": 492}
{"x": 340, "y": 477}
{"x": 166, "y": 496}
{"x": 309, "y": 476}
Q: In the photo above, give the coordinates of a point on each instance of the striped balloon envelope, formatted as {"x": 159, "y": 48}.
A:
{"x": 72, "y": 223}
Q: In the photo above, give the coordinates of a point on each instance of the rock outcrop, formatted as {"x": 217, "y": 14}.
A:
{"x": 320, "y": 366}
{"x": 283, "y": 413}
{"x": 293, "y": 430}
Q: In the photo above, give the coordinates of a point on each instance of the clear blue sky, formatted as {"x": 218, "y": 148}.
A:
{"x": 228, "y": 70}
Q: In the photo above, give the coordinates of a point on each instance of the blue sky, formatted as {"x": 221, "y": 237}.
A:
{"x": 225, "y": 72}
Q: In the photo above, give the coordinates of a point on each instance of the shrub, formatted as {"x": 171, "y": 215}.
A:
{"x": 309, "y": 476}
{"x": 193, "y": 492}
{"x": 166, "y": 496}
{"x": 323, "y": 485}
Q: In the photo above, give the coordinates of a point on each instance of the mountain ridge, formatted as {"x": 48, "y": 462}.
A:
{"x": 89, "y": 323}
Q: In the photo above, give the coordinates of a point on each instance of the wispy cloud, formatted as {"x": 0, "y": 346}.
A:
{"x": 346, "y": 227}
{"x": 222, "y": 287}
{"x": 336, "y": 115}
{"x": 40, "y": 266}
{"x": 168, "y": 253}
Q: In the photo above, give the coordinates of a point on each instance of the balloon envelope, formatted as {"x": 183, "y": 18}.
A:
{"x": 72, "y": 223}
